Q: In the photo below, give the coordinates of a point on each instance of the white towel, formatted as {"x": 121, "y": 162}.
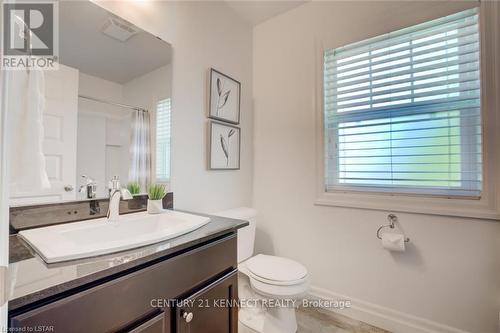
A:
{"x": 25, "y": 113}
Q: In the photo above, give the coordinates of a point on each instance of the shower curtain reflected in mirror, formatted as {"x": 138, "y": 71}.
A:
{"x": 27, "y": 161}
{"x": 140, "y": 149}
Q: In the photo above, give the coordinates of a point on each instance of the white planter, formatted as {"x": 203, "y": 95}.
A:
{"x": 155, "y": 206}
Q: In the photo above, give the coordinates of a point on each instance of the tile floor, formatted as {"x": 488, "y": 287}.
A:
{"x": 324, "y": 321}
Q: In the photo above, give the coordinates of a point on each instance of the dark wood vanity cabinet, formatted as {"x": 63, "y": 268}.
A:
{"x": 201, "y": 280}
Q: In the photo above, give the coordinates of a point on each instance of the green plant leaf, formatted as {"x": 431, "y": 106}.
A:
{"x": 134, "y": 188}
{"x": 157, "y": 191}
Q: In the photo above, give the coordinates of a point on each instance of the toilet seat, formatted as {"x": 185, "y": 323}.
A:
{"x": 275, "y": 271}
{"x": 280, "y": 291}
{"x": 273, "y": 282}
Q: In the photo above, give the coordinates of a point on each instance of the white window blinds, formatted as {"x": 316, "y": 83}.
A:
{"x": 163, "y": 140}
{"x": 402, "y": 111}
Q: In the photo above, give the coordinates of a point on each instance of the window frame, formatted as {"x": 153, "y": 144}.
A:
{"x": 155, "y": 143}
{"x": 485, "y": 207}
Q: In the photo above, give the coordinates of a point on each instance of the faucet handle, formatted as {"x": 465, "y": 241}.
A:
{"x": 114, "y": 183}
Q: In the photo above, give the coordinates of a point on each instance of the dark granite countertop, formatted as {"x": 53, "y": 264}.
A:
{"x": 32, "y": 280}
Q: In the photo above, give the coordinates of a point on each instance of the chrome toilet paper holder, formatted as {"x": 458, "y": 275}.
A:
{"x": 393, "y": 219}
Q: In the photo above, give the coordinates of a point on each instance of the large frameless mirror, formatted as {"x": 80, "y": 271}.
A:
{"x": 106, "y": 111}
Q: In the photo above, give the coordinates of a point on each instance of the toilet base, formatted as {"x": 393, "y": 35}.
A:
{"x": 280, "y": 320}
{"x": 263, "y": 320}
{"x": 242, "y": 328}
{"x": 276, "y": 320}
{"x": 251, "y": 321}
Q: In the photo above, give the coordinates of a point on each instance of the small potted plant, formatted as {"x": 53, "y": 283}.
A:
{"x": 135, "y": 189}
{"x": 156, "y": 192}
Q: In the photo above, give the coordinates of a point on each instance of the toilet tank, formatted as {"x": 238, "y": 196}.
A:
{"x": 246, "y": 235}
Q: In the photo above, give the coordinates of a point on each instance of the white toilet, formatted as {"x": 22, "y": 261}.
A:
{"x": 279, "y": 283}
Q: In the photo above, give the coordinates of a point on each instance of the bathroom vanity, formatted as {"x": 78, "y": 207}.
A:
{"x": 185, "y": 284}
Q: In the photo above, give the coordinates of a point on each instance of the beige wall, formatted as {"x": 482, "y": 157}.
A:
{"x": 203, "y": 35}
{"x": 448, "y": 274}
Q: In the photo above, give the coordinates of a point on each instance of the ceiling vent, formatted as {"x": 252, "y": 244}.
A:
{"x": 119, "y": 29}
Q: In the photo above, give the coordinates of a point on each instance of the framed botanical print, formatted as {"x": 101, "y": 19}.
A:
{"x": 225, "y": 141}
{"x": 225, "y": 94}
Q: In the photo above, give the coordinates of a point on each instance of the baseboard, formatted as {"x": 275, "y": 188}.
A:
{"x": 379, "y": 316}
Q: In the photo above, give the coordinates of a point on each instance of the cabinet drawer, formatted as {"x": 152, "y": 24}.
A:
{"x": 121, "y": 302}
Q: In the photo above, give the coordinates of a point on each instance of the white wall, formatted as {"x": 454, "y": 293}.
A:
{"x": 203, "y": 35}
{"x": 94, "y": 86}
{"x": 146, "y": 90}
{"x": 95, "y": 150}
{"x": 91, "y": 152}
{"x": 448, "y": 275}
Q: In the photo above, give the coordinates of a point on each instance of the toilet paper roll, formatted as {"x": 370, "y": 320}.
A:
{"x": 393, "y": 242}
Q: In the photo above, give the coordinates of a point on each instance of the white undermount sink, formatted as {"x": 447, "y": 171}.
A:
{"x": 96, "y": 237}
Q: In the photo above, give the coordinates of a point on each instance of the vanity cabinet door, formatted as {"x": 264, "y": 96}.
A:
{"x": 212, "y": 309}
{"x": 157, "y": 324}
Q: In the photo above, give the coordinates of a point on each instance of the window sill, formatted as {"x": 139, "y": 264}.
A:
{"x": 478, "y": 209}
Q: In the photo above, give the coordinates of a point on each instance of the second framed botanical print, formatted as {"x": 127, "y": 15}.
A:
{"x": 224, "y": 147}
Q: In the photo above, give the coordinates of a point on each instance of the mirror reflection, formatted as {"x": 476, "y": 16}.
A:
{"x": 106, "y": 110}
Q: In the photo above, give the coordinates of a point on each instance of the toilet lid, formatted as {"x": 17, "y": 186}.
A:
{"x": 276, "y": 268}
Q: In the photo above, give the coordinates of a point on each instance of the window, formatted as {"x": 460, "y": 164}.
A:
{"x": 163, "y": 140}
{"x": 402, "y": 111}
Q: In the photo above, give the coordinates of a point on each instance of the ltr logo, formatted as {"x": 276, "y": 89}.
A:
{"x": 28, "y": 29}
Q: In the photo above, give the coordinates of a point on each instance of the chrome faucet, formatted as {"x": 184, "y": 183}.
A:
{"x": 114, "y": 202}
{"x": 89, "y": 188}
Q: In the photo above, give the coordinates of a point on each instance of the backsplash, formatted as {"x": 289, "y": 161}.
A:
{"x": 26, "y": 217}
